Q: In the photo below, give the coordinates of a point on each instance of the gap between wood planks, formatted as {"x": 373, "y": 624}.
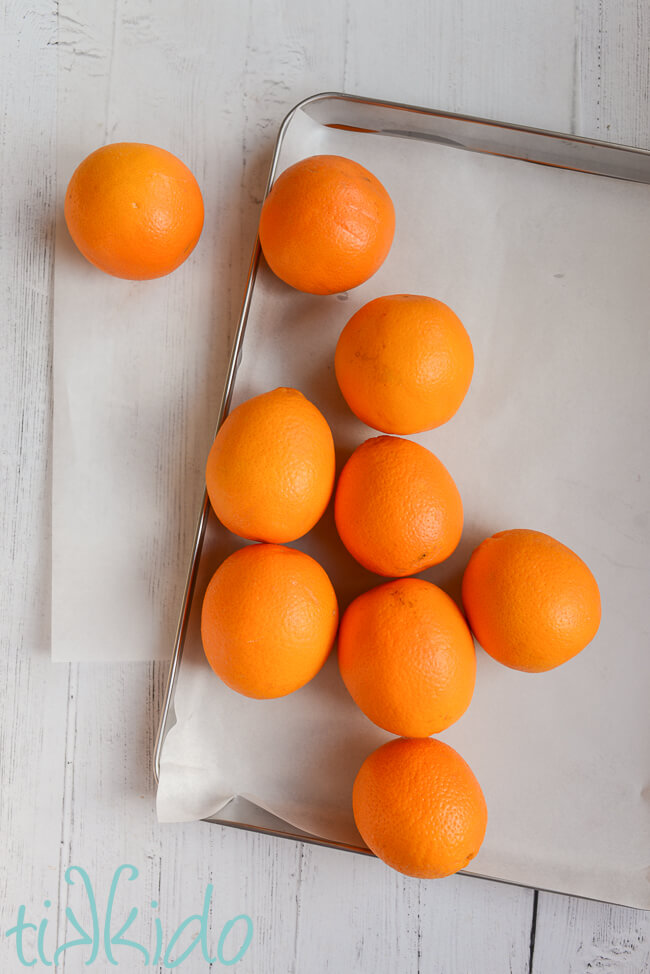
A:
{"x": 533, "y": 927}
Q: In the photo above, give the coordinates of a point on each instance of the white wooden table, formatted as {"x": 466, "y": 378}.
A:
{"x": 76, "y": 740}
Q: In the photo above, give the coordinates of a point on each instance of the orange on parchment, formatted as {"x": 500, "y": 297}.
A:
{"x": 404, "y": 363}
{"x": 419, "y": 807}
{"x": 531, "y": 602}
{"x": 407, "y": 657}
{"x": 327, "y": 225}
{"x": 268, "y": 620}
{"x": 397, "y": 509}
{"x": 134, "y": 210}
{"x": 270, "y": 472}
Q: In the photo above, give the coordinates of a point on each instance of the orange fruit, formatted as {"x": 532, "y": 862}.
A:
{"x": 531, "y": 602}
{"x": 133, "y": 210}
{"x": 404, "y": 363}
{"x": 327, "y": 225}
{"x": 268, "y": 620}
{"x": 419, "y": 807}
{"x": 270, "y": 472}
{"x": 397, "y": 509}
{"x": 407, "y": 657}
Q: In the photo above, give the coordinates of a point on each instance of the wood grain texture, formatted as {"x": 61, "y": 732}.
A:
{"x": 34, "y": 694}
{"x": 76, "y": 741}
{"x": 611, "y": 90}
{"x": 575, "y": 936}
{"x": 522, "y": 54}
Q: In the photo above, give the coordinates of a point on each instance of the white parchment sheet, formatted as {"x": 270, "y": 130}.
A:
{"x": 132, "y": 393}
{"x": 549, "y": 271}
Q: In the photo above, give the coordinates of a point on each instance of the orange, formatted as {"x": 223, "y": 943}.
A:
{"x": 268, "y": 620}
{"x": 133, "y": 210}
{"x": 531, "y": 602}
{"x": 419, "y": 807}
{"x": 404, "y": 363}
{"x": 407, "y": 657}
{"x": 397, "y": 509}
{"x": 327, "y": 225}
{"x": 270, "y": 472}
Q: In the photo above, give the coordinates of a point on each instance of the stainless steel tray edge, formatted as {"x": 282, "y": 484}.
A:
{"x": 199, "y": 535}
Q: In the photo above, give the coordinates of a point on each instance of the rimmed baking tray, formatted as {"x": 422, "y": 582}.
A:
{"x": 362, "y": 117}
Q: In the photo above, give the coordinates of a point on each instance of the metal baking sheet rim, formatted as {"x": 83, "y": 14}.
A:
{"x": 604, "y": 153}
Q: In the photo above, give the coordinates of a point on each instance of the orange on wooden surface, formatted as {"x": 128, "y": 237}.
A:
{"x": 407, "y": 657}
{"x": 419, "y": 807}
{"x": 327, "y": 225}
{"x": 397, "y": 509}
{"x": 531, "y": 602}
{"x": 268, "y": 620}
{"x": 134, "y": 210}
{"x": 270, "y": 472}
{"x": 404, "y": 363}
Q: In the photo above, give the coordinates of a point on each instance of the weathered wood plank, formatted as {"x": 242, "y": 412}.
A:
{"x": 574, "y": 936}
{"x": 34, "y": 693}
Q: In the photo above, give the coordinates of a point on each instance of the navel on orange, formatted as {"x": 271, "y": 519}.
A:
{"x": 531, "y": 602}
{"x": 397, "y": 509}
{"x": 134, "y": 210}
{"x": 327, "y": 225}
{"x": 419, "y": 807}
{"x": 268, "y": 620}
{"x": 404, "y": 363}
{"x": 407, "y": 657}
{"x": 270, "y": 472}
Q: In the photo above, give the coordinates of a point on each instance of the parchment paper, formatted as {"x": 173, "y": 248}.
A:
{"x": 548, "y": 270}
{"x": 135, "y": 396}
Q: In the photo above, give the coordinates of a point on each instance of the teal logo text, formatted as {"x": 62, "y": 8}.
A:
{"x": 104, "y": 938}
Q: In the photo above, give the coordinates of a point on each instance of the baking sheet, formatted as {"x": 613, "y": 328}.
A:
{"x": 547, "y": 270}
